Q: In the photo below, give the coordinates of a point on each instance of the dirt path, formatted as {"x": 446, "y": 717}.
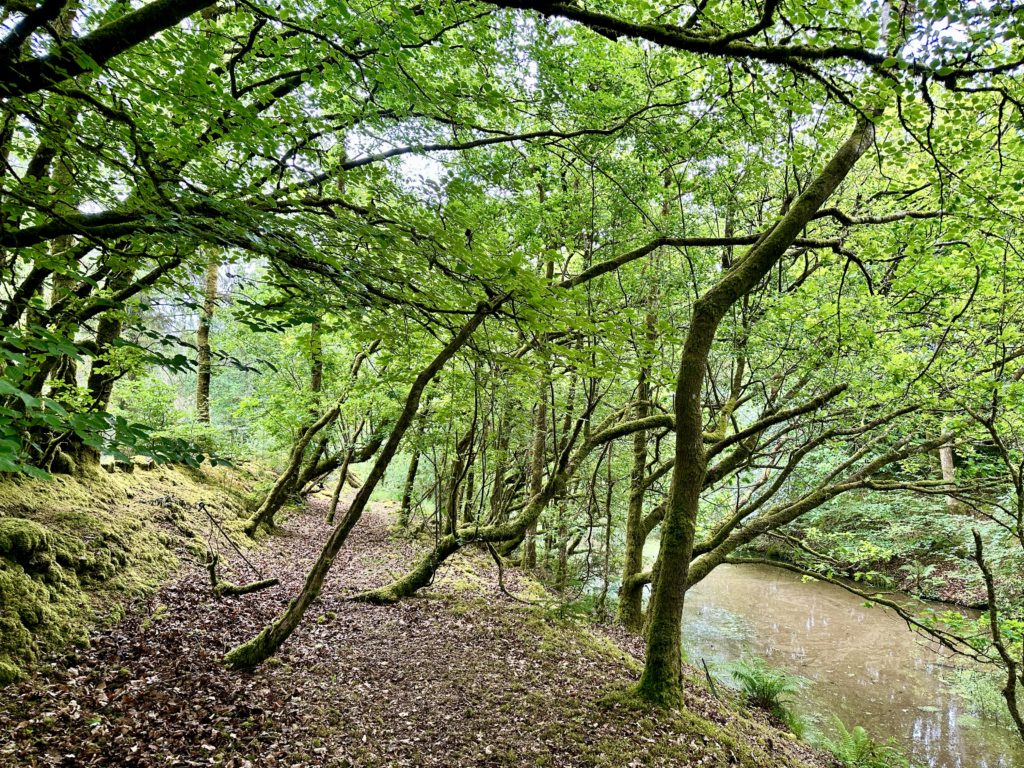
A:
{"x": 460, "y": 676}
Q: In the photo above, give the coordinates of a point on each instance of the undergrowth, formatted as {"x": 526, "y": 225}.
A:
{"x": 770, "y": 689}
{"x": 854, "y": 748}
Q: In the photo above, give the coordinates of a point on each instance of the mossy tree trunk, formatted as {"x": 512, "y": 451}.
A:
{"x": 538, "y": 462}
{"x": 661, "y": 681}
{"x": 458, "y": 474}
{"x": 630, "y": 612}
{"x": 538, "y": 459}
{"x": 408, "y": 489}
{"x": 499, "y": 491}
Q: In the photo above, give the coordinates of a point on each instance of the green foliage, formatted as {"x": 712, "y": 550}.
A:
{"x": 854, "y": 748}
{"x": 149, "y": 400}
{"x": 379, "y": 173}
{"x": 982, "y": 689}
{"x": 770, "y": 689}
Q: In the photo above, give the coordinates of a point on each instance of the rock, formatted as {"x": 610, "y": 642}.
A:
{"x": 107, "y": 462}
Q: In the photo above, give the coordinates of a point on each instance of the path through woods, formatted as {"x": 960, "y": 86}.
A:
{"x": 461, "y": 676}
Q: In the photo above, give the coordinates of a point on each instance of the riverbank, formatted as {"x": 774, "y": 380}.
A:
{"x": 459, "y": 676}
{"x": 859, "y": 663}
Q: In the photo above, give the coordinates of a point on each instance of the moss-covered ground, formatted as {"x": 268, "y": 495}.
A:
{"x": 74, "y": 551}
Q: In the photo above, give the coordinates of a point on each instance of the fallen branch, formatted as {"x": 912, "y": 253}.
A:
{"x": 226, "y": 588}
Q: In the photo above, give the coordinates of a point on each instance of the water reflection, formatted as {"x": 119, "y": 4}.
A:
{"x": 862, "y": 663}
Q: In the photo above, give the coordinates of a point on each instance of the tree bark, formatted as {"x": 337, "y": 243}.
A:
{"x": 949, "y": 475}
{"x": 630, "y": 592}
{"x": 408, "y": 490}
{"x": 537, "y": 464}
{"x": 537, "y": 451}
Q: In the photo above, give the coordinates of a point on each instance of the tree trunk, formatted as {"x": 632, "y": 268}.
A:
{"x": 537, "y": 464}
{"x": 537, "y": 453}
{"x": 606, "y": 569}
{"x": 459, "y": 464}
{"x": 316, "y": 359}
{"x": 102, "y": 371}
{"x": 407, "y": 492}
{"x": 631, "y": 593}
{"x": 562, "y": 564}
{"x": 342, "y": 479}
{"x": 203, "y": 359}
{"x": 468, "y": 496}
{"x": 498, "y": 506}
{"x": 949, "y": 475}
{"x": 661, "y": 681}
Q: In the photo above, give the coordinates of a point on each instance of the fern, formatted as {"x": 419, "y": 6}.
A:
{"x": 854, "y": 748}
{"x": 764, "y": 686}
{"x": 770, "y": 689}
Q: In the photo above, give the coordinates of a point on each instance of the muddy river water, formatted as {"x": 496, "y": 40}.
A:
{"x": 861, "y": 664}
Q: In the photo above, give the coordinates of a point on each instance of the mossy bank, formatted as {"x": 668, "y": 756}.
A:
{"x": 75, "y": 550}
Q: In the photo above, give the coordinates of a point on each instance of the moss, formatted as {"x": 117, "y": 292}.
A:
{"x": 21, "y": 539}
{"x": 38, "y": 609}
{"x": 74, "y": 549}
{"x": 249, "y": 654}
{"x": 9, "y": 672}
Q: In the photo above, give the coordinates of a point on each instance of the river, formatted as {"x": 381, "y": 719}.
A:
{"x": 862, "y": 664}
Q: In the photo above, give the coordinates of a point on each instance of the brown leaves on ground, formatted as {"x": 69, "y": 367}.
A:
{"x": 458, "y": 676}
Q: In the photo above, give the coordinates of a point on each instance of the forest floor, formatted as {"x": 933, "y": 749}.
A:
{"x": 461, "y": 675}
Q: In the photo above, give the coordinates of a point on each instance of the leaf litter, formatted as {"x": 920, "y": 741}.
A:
{"x": 458, "y": 676}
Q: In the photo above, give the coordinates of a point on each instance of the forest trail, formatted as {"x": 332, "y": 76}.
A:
{"x": 460, "y": 676}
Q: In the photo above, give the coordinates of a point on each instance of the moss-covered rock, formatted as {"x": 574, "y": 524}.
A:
{"x": 21, "y": 539}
